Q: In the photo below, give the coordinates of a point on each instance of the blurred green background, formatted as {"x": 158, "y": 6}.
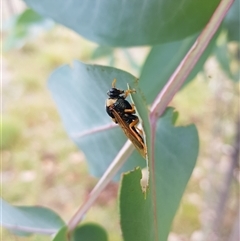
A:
{"x": 41, "y": 165}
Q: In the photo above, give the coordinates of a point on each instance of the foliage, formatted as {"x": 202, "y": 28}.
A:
{"x": 132, "y": 23}
{"x": 87, "y": 232}
{"x": 80, "y": 91}
{"x": 24, "y": 27}
{"x": 30, "y": 219}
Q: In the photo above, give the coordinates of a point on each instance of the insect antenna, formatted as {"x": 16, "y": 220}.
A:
{"x": 114, "y": 83}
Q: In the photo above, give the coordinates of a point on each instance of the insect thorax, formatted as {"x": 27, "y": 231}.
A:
{"x": 121, "y": 104}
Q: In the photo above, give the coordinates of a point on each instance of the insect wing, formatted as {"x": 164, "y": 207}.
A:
{"x": 133, "y": 136}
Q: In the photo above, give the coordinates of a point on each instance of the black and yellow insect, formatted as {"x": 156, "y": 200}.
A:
{"x": 122, "y": 113}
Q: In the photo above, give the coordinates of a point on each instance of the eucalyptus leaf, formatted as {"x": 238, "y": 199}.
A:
{"x": 163, "y": 60}
{"x": 90, "y": 232}
{"x": 25, "y": 26}
{"x": 232, "y": 20}
{"x": 129, "y": 23}
{"x": 29, "y": 219}
{"x": 136, "y": 211}
{"x": 222, "y": 55}
{"x": 86, "y": 232}
{"x": 80, "y": 94}
{"x": 225, "y": 58}
{"x": 61, "y": 235}
{"x": 148, "y": 216}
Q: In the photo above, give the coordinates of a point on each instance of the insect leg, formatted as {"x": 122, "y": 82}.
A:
{"x": 139, "y": 130}
{"x": 138, "y": 136}
{"x": 133, "y": 124}
{"x": 127, "y": 92}
{"x": 133, "y": 127}
{"x": 132, "y": 111}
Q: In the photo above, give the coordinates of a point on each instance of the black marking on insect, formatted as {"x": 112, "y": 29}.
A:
{"x": 123, "y": 114}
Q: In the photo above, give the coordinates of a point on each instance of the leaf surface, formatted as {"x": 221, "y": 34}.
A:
{"x": 129, "y": 23}
{"x": 232, "y": 20}
{"x": 24, "y": 27}
{"x": 86, "y": 232}
{"x": 162, "y": 61}
{"x": 30, "y": 219}
{"x": 80, "y": 94}
{"x": 149, "y": 216}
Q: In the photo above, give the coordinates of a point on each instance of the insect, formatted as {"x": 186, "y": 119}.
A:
{"x": 122, "y": 113}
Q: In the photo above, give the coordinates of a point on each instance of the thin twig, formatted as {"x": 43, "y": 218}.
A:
{"x": 183, "y": 70}
{"x": 117, "y": 163}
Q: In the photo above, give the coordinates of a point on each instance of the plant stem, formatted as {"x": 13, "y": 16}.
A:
{"x": 187, "y": 64}
{"x": 117, "y": 163}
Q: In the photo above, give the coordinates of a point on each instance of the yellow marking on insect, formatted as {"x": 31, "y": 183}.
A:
{"x": 110, "y": 102}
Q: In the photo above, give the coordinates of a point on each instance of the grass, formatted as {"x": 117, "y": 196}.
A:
{"x": 42, "y": 166}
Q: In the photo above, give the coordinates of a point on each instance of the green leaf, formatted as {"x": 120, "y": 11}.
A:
{"x": 129, "y": 23}
{"x": 62, "y": 234}
{"x": 224, "y": 57}
{"x": 85, "y": 232}
{"x": 30, "y": 219}
{"x": 80, "y": 94}
{"x": 149, "y": 216}
{"x": 221, "y": 52}
{"x": 90, "y": 232}
{"x": 136, "y": 214}
{"x": 162, "y": 61}
{"x": 24, "y": 27}
{"x": 232, "y": 20}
